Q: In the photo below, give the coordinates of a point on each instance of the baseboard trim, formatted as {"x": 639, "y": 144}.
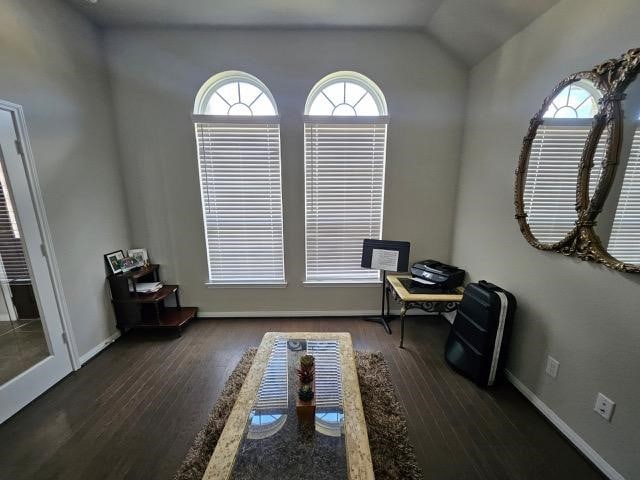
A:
{"x": 98, "y": 348}
{"x": 304, "y": 313}
{"x": 565, "y": 429}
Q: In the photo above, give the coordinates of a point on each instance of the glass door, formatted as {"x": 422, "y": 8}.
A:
{"x": 33, "y": 353}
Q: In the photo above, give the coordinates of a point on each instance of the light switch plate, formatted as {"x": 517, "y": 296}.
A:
{"x": 604, "y": 406}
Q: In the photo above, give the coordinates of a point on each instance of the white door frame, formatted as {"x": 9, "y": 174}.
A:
{"x": 43, "y": 226}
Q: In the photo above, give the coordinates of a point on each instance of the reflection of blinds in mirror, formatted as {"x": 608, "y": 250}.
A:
{"x": 624, "y": 243}
{"x": 551, "y": 179}
{"x": 274, "y": 387}
{"x": 13, "y": 267}
{"x": 328, "y": 374}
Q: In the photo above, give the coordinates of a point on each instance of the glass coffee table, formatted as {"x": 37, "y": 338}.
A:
{"x": 264, "y": 436}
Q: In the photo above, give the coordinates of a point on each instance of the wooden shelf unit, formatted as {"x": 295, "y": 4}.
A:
{"x": 146, "y": 310}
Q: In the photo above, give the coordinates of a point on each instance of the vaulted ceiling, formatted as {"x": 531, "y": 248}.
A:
{"x": 470, "y": 29}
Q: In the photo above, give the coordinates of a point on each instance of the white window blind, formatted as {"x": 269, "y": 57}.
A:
{"x": 624, "y": 243}
{"x": 344, "y": 195}
{"x": 242, "y": 201}
{"x": 552, "y": 172}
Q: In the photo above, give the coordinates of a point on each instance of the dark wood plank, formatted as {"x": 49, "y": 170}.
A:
{"x": 133, "y": 411}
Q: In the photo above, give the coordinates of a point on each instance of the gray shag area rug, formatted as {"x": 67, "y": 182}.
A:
{"x": 392, "y": 454}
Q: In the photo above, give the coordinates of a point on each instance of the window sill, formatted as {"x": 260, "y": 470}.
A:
{"x": 358, "y": 283}
{"x": 245, "y": 285}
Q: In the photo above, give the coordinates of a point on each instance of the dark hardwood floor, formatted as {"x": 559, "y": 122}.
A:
{"x": 132, "y": 412}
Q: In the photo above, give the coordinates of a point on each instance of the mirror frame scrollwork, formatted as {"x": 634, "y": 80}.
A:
{"x": 612, "y": 78}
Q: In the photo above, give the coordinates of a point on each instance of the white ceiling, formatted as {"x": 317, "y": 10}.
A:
{"x": 470, "y": 29}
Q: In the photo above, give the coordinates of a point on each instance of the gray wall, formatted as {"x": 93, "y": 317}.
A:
{"x": 52, "y": 65}
{"x": 156, "y": 74}
{"x": 583, "y": 314}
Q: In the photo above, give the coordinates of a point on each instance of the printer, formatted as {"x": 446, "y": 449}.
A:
{"x": 435, "y": 274}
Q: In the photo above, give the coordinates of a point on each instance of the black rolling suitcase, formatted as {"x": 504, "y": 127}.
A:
{"x": 477, "y": 343}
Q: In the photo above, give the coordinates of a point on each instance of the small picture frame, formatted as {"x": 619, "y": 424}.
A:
{"x": 139, "y": 255}
{"x": 128, "y": 264}
{"x": 114, "y": 260}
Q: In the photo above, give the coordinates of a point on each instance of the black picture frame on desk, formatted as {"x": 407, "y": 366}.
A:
{"x": 113, "y": 259}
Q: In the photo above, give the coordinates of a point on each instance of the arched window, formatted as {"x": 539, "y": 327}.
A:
{"x": 556, "y": 151}
{"x": 346, "y": 94}
{"x": 577, "y": 100}
{"x": 235, "y": 94}
{"x": 345, "y": 151}
{"x": 238, "y": 137}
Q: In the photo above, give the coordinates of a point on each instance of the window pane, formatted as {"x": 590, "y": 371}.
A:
{"x": 248, "y": 93}
{"x": 562, "y": 99}
{"x": 344, "y": 110}
{"x": 574, "y": 101}
{"x": 217, "y": 106}
{"x": 354, "y": 93}
{"x": 335, "y": 92}
{"x": 263, "y": 106}
{"x": 367, "y": 107}
{"x": 359, "y": 101}
{"x": 566, "y": 112}
{"x": 588, "y": 109}
{"x": 240, "y": 109}
{"x": 321, "y": 106}
{"x": 229, "y": 92}
{"x": 578, "y": 96}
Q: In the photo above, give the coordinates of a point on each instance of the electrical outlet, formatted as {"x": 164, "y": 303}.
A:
{"x": 552, "y": 366}
{"x": 604, "y": 406}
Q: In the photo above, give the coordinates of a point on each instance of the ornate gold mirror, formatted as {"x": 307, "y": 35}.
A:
{"x": 550, "y": 167}
{"x": 577, "y": 186}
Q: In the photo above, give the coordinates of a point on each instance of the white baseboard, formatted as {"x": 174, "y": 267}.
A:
{"x": 4, "y": 317}
{"x": 566, "y": 430}
{"x": 98, "y": 348}
{"x": 303, "y": 313}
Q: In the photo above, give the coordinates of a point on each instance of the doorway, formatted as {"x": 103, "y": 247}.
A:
{"x": 33, "y": 348}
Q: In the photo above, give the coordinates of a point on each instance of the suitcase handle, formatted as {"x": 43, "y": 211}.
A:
{"x": 490, "y": 286}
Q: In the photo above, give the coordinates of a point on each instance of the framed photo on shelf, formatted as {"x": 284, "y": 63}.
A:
{"x": 139, "y": 255}
{"x": 114, "y": 259}
{"x": 128, "y": 264}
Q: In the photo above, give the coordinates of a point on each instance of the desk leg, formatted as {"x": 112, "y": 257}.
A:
{"x": 403, "y": 312}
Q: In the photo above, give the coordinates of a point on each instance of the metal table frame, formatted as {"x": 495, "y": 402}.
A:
{"x": 428, "y": 302}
